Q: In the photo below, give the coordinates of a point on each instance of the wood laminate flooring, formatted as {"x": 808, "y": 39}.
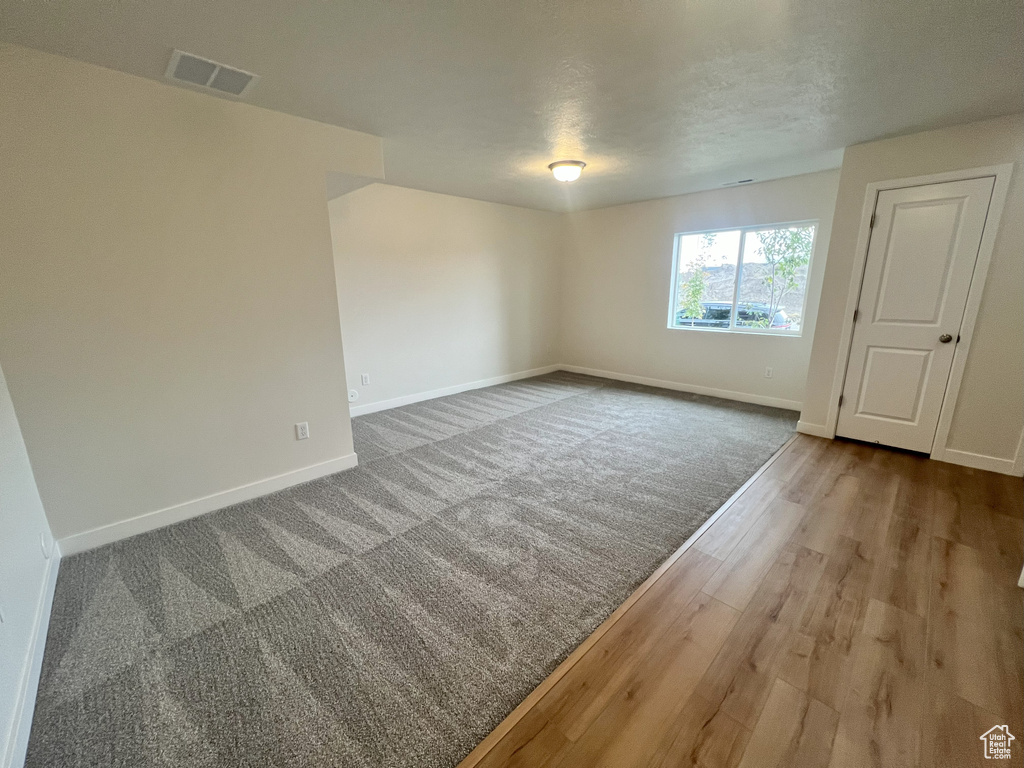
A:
{"x": 854, "y": 606}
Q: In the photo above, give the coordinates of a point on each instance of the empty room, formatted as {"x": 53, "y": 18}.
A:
{"x": 539, "y": 384}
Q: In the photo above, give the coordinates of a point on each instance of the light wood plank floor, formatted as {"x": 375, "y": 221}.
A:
{"x": 854, "y": 607}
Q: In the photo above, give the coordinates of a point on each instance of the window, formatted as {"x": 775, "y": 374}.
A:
{"x": 750, "y": 280}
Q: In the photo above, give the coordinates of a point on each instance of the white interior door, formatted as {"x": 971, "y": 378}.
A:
{"x": 921, "y": 257}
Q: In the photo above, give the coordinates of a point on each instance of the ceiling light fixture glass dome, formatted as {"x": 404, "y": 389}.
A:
{"x": 567, "y": 170}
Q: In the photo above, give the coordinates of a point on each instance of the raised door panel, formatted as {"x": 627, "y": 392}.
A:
{"x": 916, "y": 263}
{"x": 893, "y": 383}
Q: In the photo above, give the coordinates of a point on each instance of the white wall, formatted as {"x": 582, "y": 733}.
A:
{"x": 439, "y": 291}
{"x": 990, "y": 408}
{"x": 169, "y": 306}
{"x": 167, "y": 300}
{"x": 617, "y": 280}
{"x": 25, "y": 581}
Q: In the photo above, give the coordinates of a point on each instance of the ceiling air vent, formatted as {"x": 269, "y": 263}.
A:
{"x": 195, "y": 70}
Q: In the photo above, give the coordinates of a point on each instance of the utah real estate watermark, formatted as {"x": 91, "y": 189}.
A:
{"x": 997, "y": 742}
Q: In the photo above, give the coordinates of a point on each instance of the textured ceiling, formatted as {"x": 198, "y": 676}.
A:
{"x": 475, "y": 98}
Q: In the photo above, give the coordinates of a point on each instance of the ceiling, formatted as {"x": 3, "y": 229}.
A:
{"x": 659, "y": 97}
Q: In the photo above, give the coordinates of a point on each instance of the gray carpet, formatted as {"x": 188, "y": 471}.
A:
{"x": 394, "y": 614}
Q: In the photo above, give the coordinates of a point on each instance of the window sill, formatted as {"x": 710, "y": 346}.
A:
{"x": 740, "y": 331}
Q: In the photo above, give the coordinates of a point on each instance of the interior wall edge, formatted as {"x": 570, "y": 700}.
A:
{"x": 21, "y": 727}
{"x": 150, "y": 521}
{"x": 28, "y": 570}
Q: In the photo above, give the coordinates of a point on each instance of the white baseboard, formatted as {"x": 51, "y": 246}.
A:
{"x": 17, "y": 743}
{"x": 977, "y": 461}
{"x": 123, "y": 529}
{"x": 948, "y": 455}
{"x": 726, "y": 394}
{"x": 397, "y": 402}
{"x": 815, "y": 430}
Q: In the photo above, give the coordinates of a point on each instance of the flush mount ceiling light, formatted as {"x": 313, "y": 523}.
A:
{"x": 567, "y": 170}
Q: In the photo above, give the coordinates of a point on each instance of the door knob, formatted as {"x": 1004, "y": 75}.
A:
{"x": 945, "y": 338}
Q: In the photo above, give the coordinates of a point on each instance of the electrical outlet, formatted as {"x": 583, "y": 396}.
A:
{"x": 302, "y": 430}
{"x": 365, "y": 379}
{"x": 353, "y": 395}
{"x": 769, "y": 372}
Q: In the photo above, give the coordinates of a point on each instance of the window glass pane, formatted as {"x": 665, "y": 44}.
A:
{"x": 706, "y": 279}
{"x": 773, "y": 279}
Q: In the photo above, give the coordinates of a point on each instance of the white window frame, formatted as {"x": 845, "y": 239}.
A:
{"x": 733, "y": 328}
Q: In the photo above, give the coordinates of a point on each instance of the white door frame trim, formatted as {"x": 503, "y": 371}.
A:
{"x": 1001, "y": 186}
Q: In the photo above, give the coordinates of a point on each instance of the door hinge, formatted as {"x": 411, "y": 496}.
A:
{"x": 840, "y": 401}
{"x": 856, "y": 312}
{"x": 871, "y": 225}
